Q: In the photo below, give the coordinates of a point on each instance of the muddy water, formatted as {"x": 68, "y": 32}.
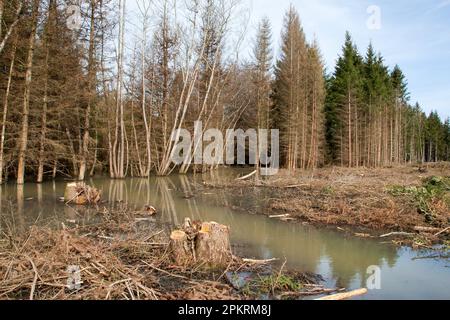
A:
{"x": 341, "y": 260}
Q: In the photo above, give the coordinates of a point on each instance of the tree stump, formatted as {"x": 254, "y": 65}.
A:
{"x": 181, "y": 248}
{"x": 74, "y": 194}
{"x": 81, "y": 194}
{"x": 209, "y": 245}
{"x": 212, "y": 245}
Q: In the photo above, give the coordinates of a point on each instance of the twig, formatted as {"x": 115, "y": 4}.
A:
{"x": 247, "y": 176}
{"x": 36, "y": 275}
{"x": 164, "y": 271}
{"x": 441, "y": 232}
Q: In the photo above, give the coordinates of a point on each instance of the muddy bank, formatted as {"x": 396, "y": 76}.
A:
{"x": 408, "y": 203}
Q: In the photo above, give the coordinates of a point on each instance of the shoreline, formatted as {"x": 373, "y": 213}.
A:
{"x": 361, "y": 202}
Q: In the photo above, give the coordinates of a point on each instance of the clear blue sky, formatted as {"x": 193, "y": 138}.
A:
{"x": 414, "y": 34}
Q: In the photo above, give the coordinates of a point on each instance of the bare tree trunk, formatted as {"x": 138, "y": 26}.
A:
{"x": 48, "y": 31}
{"x": 12, "y": 26}
{"x": 349, "y": 130}
{"x": 1, "y": 18}
{"x": 91, "y": 93}
{"x": 23, "y": 139}
{"x": 118, "y": 156}
{"x": 5, "y": 109}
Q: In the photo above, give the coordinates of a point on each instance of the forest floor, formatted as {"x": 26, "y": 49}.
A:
{"x": 410, "y": 204}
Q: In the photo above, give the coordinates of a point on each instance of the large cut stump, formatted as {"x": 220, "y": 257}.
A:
{"x": 212, "y": 244}
{"x": 208, "y": 244}
{"x": 81, "y": 194}
{"x": 181, "y": 248}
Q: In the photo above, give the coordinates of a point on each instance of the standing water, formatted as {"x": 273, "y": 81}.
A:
{"x": 342, "y": 261}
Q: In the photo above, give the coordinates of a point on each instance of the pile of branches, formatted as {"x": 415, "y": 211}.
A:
{"x": 45, "y": 263}
{"x": 121, "y": 257}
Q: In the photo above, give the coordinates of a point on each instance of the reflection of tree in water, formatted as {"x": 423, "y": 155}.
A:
{"x": 181, "y": 196}
{"x": 165, "y": 200}
{"x": 301, "y": 247}
{"x": 351, "y": 257}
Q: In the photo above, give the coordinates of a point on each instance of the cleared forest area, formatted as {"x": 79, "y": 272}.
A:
{"x": 406, "y": 200}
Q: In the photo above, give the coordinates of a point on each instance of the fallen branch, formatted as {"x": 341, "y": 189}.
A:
{"x": 441, "y": 232}
{"x": 426, "y": 229}
{"x": 346, "y": 295}
{"x": 406, "y": 234}
{"x": 296, "y": 186}
{"x": 247, "y": 176}
{"x": 280, "y": 216}
{"x": 259, "y": 261}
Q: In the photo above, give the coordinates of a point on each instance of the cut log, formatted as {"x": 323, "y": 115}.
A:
{"x": 181, "y": 248}
{"x": 346, "y": 295}
{"x": 212, "y": 245}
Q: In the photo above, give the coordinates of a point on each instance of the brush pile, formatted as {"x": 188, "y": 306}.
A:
{"x": 120, "y": 258}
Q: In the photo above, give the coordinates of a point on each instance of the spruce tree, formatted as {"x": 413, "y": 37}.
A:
{"x": 345, "y": 91}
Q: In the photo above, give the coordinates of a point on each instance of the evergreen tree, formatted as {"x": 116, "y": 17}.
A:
{"x": 290, "y": 92}
{"x": 345, "y": 90}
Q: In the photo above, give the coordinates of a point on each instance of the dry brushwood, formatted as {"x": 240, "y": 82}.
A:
{"x": 117, "y": 258}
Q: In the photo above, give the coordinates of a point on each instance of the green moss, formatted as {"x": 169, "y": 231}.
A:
{"x": 328, "y": 190}
{"x": 271, "y": 284}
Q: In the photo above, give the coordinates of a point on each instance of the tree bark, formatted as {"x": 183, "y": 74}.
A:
{"x": 23, "y": 139}
{"x": 91, "y": 93}
{"x": 5, "y": 109}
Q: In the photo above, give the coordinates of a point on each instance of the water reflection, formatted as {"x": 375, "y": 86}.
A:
{"x": 342, "y": 260}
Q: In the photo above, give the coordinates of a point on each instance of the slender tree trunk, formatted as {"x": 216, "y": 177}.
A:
{"x": 5, "y": 109}
{"x": 48, "y": 31}
{"x": 12, "y": 26}
{"x": 349, "y": 111}
{"x": 23, "y": 139}
{"x": 118, "y": 156}
{"x": 1, "y": 18}
{"x": 91, "y": 93}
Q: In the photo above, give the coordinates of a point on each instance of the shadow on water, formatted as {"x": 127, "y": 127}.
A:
{"x": 343, "y": 261}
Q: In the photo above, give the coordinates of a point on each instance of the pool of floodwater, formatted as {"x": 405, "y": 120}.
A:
{"x": 343, "y": 261}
